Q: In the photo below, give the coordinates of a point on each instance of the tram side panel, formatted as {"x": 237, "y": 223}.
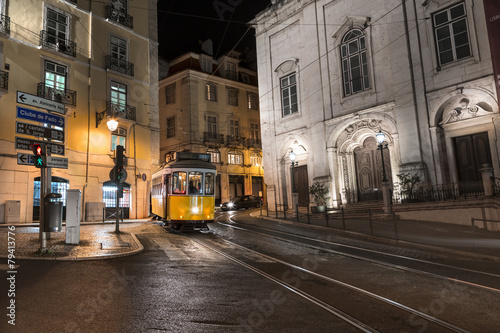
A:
{"x": 190, "y": 208}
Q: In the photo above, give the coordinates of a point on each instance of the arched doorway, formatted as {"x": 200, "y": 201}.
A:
{"x": 109, "y": 198}
{"x": 58, "y": 185}
{"x": 369, "y": 172}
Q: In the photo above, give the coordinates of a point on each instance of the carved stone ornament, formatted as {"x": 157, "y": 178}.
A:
{"x": 463, "y": 112}
{"x": 370, "y": 123}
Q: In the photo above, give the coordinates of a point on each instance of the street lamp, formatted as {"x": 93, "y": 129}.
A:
{"x": 112, "y": 122}
{"x": 380, "y": 139}
{"x": 292, "y": 156}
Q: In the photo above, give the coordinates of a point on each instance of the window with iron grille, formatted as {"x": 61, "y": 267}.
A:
{"x": 119, "y": 5}
{"x": 234, "y": 128}
{"x": 354, "y": 62}
{"x": 289, "y": 94}
{"x": 253, "y": 101}
{"x": 109, "y": 197}
{"x": 452, "y": 34}
{"x": 170, "y": 127}
{"x": 212, "y": 127}
{"x": 55, "y": 187}
{"x": 232, "y": 96}
{"x": 215, "y": 154}
{"x": 118, "y": 138}
{"x": 170, "y": 92}
{"x": 211, "y": 92}
{"x": 235, "y": 157}
{"x": 118, "y": 48}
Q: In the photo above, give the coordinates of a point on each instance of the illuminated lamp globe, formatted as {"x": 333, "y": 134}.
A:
{"x": 112, "y": 124}
{"x": 292, "y": 156}
{"x": 380, "y": 137}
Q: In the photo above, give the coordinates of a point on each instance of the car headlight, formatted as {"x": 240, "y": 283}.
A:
{"x": 230, "y": 205}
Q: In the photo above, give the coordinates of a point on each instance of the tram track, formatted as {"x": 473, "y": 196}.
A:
{"x": 326, "y": 292}
{"x": 469, "y": 277}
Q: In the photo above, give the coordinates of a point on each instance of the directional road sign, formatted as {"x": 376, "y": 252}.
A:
{"x": 25, "y": 159}
{"x": 39, "y": 131}
{"x": 41, "y": 117}
{"x": 47, "y": 104}
{"x": 53, "y": 148}
{"x": 57, "y": 162}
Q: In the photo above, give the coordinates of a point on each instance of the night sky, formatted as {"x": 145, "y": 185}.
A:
{"x": 183, "y": 23}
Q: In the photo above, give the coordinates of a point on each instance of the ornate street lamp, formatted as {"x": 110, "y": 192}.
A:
{"x": 380, "y": 139}
{"x": 292, "y": 156}
{"x": 112, "y": 122}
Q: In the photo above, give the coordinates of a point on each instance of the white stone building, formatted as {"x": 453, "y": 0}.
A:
{"x": 334, "y": 73}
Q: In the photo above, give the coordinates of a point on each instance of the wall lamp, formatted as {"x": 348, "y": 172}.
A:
{"x": 111, "y": 122}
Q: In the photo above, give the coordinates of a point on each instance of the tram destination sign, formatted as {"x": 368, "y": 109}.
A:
{"x": 39, "y": 131}
{"x": 39, "y": 102}
{"x": 53, "y": 148}
{"x": 41, "y": 117}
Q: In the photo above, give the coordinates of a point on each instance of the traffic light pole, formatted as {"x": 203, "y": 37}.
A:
{"x": 118, "y": 188}
{"x": 42, "y": 236}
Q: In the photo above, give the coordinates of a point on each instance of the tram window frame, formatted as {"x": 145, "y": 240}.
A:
{"x": 209, "y": 183}
{"x": 168, "y": 189}
{"x": 175, "y": 181}
{"x": 198, "y": 187}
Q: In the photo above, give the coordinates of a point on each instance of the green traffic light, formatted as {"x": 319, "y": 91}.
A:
{"x": 39, "y": 161}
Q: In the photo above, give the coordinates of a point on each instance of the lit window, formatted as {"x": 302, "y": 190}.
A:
{"x": 211, "y": 92}
{"x": 235, "y": 158}
{"x": 256, "y": 160}
{"x": 452, "y": 34}
{"x": 118, "y": 138}
{"x": 289, "y": 94}
{"x": 215, "y": 155}
{"x": 253, "y": 101}
{"x": 354, "y": 62}
{"x": 119, "y": 96}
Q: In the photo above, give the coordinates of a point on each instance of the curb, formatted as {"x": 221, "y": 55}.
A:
{"x": 439, "y": 249}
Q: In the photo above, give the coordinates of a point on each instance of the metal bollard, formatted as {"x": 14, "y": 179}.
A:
{"x": 297, "y": 211}
{"x": 308, "y": 216}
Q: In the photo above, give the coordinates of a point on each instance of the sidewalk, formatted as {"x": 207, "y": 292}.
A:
{"x": 97, "y": 241}
{"x": 434, "y": 236}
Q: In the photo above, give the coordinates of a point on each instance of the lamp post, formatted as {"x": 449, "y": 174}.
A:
{"x": 385, "y": 183}
{"x": 292, "y": 156}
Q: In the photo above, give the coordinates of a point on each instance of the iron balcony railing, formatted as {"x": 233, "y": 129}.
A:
{"x": 440, "y": 192}
{"x": 5, "y": 24}
{"x": 234, "y": 140}
{"x": 118, "y": 65}
{"x": 213, "y": 138}
{"x": 64, "y": 96}
{"x": 4, "y": 80}
{"x": 254, "y": 143}
{"x": 121, "y": 111}
{"x": 57, "y": 44}
{"x": 117, "y": 16}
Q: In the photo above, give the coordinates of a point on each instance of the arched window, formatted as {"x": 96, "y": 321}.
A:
{"x": 215, "y": 155}
{"x": 354, "y": 62}
{"x": 256, "y": 159}
{"x": 235, "y": 157}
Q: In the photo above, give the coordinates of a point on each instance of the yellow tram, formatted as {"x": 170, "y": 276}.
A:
{"x": 183, "y": 191}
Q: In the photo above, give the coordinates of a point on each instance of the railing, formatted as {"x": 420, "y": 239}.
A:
{"x": 234, "y": 140}
{"x": 4, "y": 80}
{"x": 5, "y": 24}
{"x": 213, "y": 138}
{"x": 254, "y": 143}
{"x": 118, "y": 65}
{"x": 65, "y": 96}
{"x": 122, "y": 111}
{"x": 117, "y": 16}
{"x": 57, "y": 44}
{"x": 440, "y": 192}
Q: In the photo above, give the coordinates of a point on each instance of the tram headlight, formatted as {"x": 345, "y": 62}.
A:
{"x": 195, "y": 210}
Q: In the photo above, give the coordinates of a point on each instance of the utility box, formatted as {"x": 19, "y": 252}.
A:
{"x": 53, "y": 211}
{"x": 12, "y": 211}
{"x": 73, "y": 209}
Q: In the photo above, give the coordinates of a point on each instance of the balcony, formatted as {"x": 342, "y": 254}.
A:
{"x": 66, "y": 96}
{"x": 57, "y": 44}
{"x": 210, "y": 137}
{"x": 254, "y": 143}
{"x": 5, "y": 24}
{"x": 120, "y": 66}
{"x": 117, "y": 16}
{"x": 234, "y": 141}
{"x": 121, "y": 111}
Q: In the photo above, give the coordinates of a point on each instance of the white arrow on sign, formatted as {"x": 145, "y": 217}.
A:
{"x": 40, "y": 102}
{"x": 24, "y": 159}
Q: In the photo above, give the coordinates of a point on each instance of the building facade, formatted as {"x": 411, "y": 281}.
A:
{"x": 99, "y": 59}
{"x": 332, "y": 74}
{"x": 211, "y": 106}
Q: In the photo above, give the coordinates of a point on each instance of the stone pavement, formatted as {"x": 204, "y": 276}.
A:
{"x": 433, "y": 236}
{"x": 97, "y": 241}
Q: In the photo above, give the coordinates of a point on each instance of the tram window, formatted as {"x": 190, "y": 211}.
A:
{"x": 167, "y": 184}
{"x": 179, "y": 183}
{"x": 195, "y": 181}
{"x": 209, "y": 183}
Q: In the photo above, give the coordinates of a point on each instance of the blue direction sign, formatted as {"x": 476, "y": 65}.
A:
{"x": 42, "y": 117}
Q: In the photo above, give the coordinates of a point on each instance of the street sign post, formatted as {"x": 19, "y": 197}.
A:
{"x": 47, "y": 104}
{"x": 39, "y": 131}
{"x": 53, "y": 148}
{"x": 24, "y": 159}
{"x": 41, "y": 117}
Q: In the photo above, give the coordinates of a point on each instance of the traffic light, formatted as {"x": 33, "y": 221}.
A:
{"x": 119, "y": 156}
{"x": 40, "y": 159}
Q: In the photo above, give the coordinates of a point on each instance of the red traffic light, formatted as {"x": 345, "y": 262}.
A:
{"x": 38, "y": 149}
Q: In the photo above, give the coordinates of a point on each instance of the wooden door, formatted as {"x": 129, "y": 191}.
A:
{"x": 302, "y": 184}
{"x": 369, "y": 171}
{"x": 472, "y": 151}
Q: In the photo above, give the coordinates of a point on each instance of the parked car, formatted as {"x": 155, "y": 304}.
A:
{"x": 245, "y": 201}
